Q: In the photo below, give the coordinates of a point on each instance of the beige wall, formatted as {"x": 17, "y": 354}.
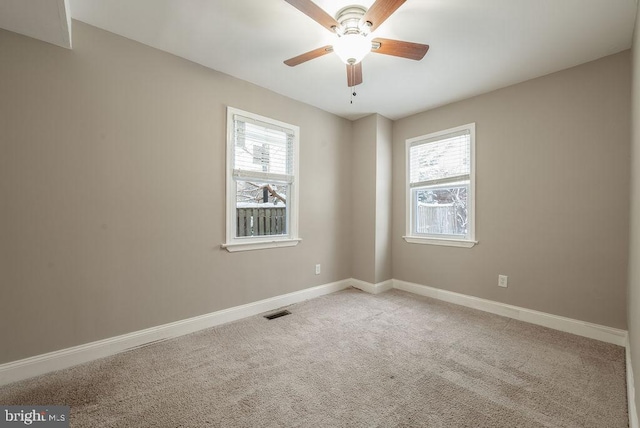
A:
{"x": 634, "y": 248}
{"x": 371, "y": 187}
{"x": 363, "y": 184}
{"x": 383, "y": 211}
{"x": 112, "y": 172}
{"x": 552, "y": 195}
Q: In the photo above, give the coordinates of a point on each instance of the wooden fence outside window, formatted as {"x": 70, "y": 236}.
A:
{"x": 261, "y": 221}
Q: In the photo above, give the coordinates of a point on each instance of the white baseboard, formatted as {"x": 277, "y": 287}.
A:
{"x": 581, "y": 328}
{"x": 57, "y": 360}
{"x": 372, "y": 288}
{"x": 631, "y": 392}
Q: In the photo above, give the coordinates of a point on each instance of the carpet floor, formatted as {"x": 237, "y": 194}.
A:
{"x": 349, "y": 359}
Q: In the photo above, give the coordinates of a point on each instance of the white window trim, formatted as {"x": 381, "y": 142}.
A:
{"x": 429, "y": 240}
{"x": 247, "y": 246}
{"x": 444, "y": 242}
{"x": 233, "y": 243}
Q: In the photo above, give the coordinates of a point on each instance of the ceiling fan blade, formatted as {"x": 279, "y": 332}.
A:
{"x": 380, "y": 11}
{"x": 292, "y": 62}
{"x": 354, "y": 74}
{"x": 314, "y": 12}
{"x": 415, "y": 51}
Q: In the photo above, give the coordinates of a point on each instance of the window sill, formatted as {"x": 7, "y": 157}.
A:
{"x": 446, "y": 242}
{"x": 260, "y": 245}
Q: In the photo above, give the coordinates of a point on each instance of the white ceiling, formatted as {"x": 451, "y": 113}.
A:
{"x": 475, "y": 45}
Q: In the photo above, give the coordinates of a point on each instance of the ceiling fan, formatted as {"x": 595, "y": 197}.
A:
{"x": 353, "y": 27}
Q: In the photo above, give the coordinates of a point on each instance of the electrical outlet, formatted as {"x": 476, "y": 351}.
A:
{"x": 317, "y": 269}
{"x": 502, "y": 281}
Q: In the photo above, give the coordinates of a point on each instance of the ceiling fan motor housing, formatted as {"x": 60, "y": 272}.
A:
{"x": 351, "y": 22}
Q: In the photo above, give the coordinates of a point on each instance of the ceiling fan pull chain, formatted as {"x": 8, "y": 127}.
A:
{"x": 351, "y": 80}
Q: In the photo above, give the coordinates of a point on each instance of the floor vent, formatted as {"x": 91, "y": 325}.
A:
{"x": 277, "y": 315}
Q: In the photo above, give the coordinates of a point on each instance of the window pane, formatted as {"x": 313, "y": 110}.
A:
{"x": 261, "y": 208}
{"x": 262, "y": 149}
{"x": 444, "y": 158}
{"x": 441, "y": 210}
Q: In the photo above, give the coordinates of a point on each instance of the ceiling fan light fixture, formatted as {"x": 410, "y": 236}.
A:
{"x": 352, "y": 48}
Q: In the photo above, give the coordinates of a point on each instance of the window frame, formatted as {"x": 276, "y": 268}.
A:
{"x": 291, "y": 238}
{"x": 446, "y": 240}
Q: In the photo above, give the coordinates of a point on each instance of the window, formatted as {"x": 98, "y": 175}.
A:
{"x": 262, "y": 188}
{"x": 440, "y": 187}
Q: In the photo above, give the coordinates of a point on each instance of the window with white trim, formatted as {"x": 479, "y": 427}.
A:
{"x": 441, "y": 187}
{"x": 262, "y": 188}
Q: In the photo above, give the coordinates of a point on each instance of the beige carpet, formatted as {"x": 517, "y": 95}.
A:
{"x": 349, "y": 359}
